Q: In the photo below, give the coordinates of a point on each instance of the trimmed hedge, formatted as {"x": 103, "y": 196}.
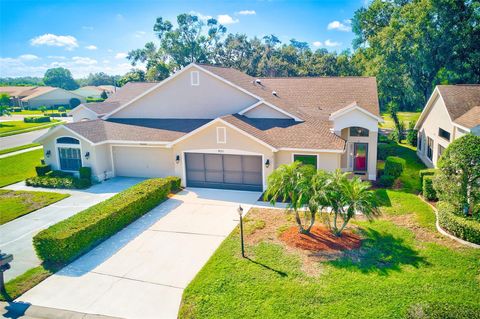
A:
{"x": 462, "y": 227}
{"x": 73, "y": 237}
{"x": 16, "y": 109}
{"x": 36, "y": 119}
{"x": 441, "y": 310}
{"x": 386, "y": 180}
{"x": 394, "y": 166}
{"x": 85, "y": 172}
{"x": 57, "y": 114}
{"x": 427, "y": 188}
{"x": 426, "y": 172}
{"x": 42, "y": 170}
{"x": 385, "y": 150}
{"x": 52, "y": 181}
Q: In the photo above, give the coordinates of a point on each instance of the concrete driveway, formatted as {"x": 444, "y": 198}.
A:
{"x": 16, "y": 236}
{"x": 142, "y": 270}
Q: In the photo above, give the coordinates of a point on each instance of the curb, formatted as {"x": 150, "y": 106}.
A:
{"x": 444, "y": 232}
{"x": 25, "y": 310}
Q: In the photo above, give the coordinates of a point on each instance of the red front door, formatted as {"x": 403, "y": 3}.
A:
{"x": 360, "y": 156}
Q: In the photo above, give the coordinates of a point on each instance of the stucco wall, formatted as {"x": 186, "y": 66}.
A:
{"x": 371, "y": 140}
{"x": 142, "y": 161}
{"x": 265, "y": 112}
{"x": 355, "y": 118}
{"x": 179, "y": 99}
{"x": 325, "y": 161}
{"x": 55, "y": 97}
{"x": 436, "y": 118}
{"x": 81, "y": 114}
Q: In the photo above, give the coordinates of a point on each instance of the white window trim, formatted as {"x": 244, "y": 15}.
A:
{"x": 195, "y": 75}
{"x": 220, "y": 133}
{"x": 304, "y": 154}
{"x": 62, "y": 145}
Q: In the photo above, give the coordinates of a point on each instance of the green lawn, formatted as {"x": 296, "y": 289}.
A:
{"x": 17, "y": 286}
{"x": 406, "y": 117}
{"x": 14, "y": 204}
{"x": 18, "y": 148}
{"x": 403, "y": 262}
{"x": 16, "y": 168}
{"x": 17, "y": 127}
{"x": 36, "y": 112}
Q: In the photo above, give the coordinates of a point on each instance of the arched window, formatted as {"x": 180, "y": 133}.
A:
{"x": 67, "y": 140}
{"x": 358, "y": 131}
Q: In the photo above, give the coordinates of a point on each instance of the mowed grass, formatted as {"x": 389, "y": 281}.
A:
{"x": 14, "y": 204}
{"x": 18, "y": 148}
{"x": 406, "y": 117}
{"x": 17, "y": 127}
{"x": 18, "y": 167}
{"x": 402, "y": 263}
{"x": 17, "y": 286}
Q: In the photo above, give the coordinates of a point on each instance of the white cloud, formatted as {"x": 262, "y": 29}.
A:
{"x": 28, "y": 57}
{"x": 91, "y": 47}
{"x": 87, "y": 27}
{"x": 226, "y": 19}
{"x": 106, "y": 61}
{"x": 57, "y": 57}
{"x": 247, "y": 12}
{"x": 67, "y": 41}
{"x": 340, "y": 26}
{"x": 330, "y": 43}
{"x": 139, "y": 34}
{"x": 81, "y": 60}
{"x": 201, "y": 16}
{"x": 317, "y": 44}
{"x": 121, "y": 55}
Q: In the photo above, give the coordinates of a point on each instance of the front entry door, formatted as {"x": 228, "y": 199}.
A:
{"x": 360, "y": 158}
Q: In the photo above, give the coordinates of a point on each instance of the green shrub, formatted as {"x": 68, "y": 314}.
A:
{"x": 94, "y": 99}
{"x": 380, "y": 172}
{"x": 386, "y": 180}
{"x": 175, "y": 182}
{"x": 394, "y": 166}
{"x": 384, "y": 139}
{"x": 427, "y": 188}
{"x": 74, "y": 102}
{"x": 440, "y": 310}
{"x": 412, "y": 134}
{"x": 36, "y": 119}
{"x": 70, "y": 238}
{"x": 42, "y": 170}
{"x": 385, "y": 150}
{"x": 60, "y": 174}
{"x": 16, "y": 109}
{"x": 460, "y": 226}
{"x": 85, "y": 172}
{"x": 426, "y": 172}
{"x": 52, "y": 181}
{"x": 61, "y": 109}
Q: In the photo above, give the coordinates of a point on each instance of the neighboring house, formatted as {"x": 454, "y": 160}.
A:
{"x": 451, "y": 112}
{"x": 32, "y": 97}
{"x": 218, "y": 127}
{"x": 95, "y": 91}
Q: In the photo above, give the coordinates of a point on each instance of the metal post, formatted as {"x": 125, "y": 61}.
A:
{"x": 2, "y": 283}
{"x": 240, "y": 213}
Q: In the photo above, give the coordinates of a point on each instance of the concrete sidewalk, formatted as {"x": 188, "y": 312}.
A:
{"x": 141, "y": 271}
{"x": 16, "y": 235}
{"x": 21, "y": 151}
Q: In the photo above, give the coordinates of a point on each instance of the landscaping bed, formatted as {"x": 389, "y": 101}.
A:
{"x": 14, "y": 204}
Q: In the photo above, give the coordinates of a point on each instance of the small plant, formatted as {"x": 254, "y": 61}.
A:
{"x": 394, "y": 166}
{"x": 385, "y": 150}
{"x": 42, "y": 170}
{"x": 61, "y": 109}
{"x": 427, "y": 188}
{"x": 426, "y": 172}
{"x": 42, "y": 109}
{"x": 386, "y": 180}
{"x": 85, "y": 172}
{"x": 412, "y": 134}
{"x": 104, "y": 95}
{"x": 74, "y": 102}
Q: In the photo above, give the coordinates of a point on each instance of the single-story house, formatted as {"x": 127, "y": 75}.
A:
{"x": 221, "y": 128}
{"x": 451, "y": 112}
{"x": 95, "y": 91}
{"x": 32, "y": 97}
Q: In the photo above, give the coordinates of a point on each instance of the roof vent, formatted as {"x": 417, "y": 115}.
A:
{"x": 274, "y": 93}
{"x": 257, "y": 81}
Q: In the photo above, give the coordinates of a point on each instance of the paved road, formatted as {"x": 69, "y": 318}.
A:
{"x": 16, "y": 236}
{"x": 141, "y": 271}
{"x": 20, "y": 139}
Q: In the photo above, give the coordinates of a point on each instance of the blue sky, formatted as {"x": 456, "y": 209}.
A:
{"x": 94, "y": 36}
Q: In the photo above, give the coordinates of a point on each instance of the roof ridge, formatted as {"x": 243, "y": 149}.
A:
{"x": 318, "y": 77}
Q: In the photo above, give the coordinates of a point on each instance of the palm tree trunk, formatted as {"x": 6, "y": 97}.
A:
{"x": 312, "y": 221}
{"x": 299, "y": 222}
{"x": 335, "y": 214}
{"x": 345, "y": 222}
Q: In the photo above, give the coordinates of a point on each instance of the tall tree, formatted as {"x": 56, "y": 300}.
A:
{"x": 100, "y": 78}
{"x": 60, "y": 77}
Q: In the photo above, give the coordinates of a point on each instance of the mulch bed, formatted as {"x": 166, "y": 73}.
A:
{"x": 320, "y": 239}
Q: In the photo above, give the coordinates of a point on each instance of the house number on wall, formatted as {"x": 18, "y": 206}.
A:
{"x": 220, "y": 151}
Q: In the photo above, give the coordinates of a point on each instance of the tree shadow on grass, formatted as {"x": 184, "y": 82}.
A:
{"x": 279, "y": 272}
{"x": 380, "y": 253}
{"x": 382, "y": 197}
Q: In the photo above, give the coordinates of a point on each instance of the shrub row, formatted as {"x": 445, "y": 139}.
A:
{"x": 57, "y": 114}
{"x": 462, "y": 227}
{"x": 16, "y": 109}
{"x": 386, "y": 180}
{"x": 36, "y": 119}
{"x": 426, "y": 172}
{"x": 70, "y": 238}
{"x": 385, "y": 150}
{"x": 49, "y": 181}
{"x": 427, "y": 188}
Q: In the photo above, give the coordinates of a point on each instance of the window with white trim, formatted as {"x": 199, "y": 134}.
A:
{"x": 195, "y": 78}
{"x": 221, "y": 135}
{"x": 69, "y": 153}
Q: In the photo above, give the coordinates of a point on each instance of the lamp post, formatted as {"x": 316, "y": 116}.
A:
{"x": 5, "y": 260}
{"x": 240, "y": 213}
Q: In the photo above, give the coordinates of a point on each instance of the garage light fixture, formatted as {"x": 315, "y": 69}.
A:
{"x": 48, "y": 153}
{"x": 267, "y": 163}
{"x": 177, "y": 159}
{"x": 87, "y": 155}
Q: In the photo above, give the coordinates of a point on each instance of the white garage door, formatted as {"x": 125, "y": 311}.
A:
{"x": 142, "y": 161}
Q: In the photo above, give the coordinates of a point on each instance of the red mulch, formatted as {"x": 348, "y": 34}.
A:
{"x": 320, "y": 238}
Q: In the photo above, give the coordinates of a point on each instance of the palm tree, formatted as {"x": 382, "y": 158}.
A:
{"x": 292, "y": 184}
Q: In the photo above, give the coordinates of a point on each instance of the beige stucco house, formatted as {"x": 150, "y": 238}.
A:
{"x": 451, "y": 112}
{"x": 218, "y": 127}
{"x": 32, "y": 97}
{"x": 95, "y": 91}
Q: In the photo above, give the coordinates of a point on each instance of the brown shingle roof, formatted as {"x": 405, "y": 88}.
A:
{"x": 460, "y": 100}
{"x": 284, "y": 133}
{"x": 17, "y": 91}
{"x": 38, "y": 91}
{"x": 135, "y": 130}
